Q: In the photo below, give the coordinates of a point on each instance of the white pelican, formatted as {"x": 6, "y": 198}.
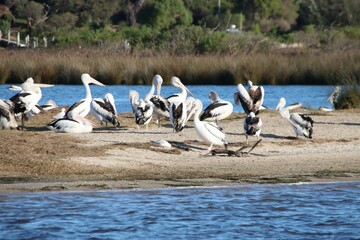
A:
{"x": 207, "y": 131}
{"x": 301, "y": 123}
{"x": 142, "y": 110}
{"x": 178, "y": 112}
{"x": 50, "y": 104}
{"x": 218, "y": 109}
{"x": 82, "y": 108}
{"x": 143, "y": 113}
{"x": 105, "y": 110}
{"x": 252, "y": 126}
{"x": 252, "y": 99}
{"x": 27, "y": 99}
{"x": 66, "y": 125}
{"x": 333, "y": 98}
{"x": 160, "y": 104}
{"x": 7, "y": 115}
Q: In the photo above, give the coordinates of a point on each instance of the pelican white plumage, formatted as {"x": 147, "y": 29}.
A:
{"x": 301, "y": 123}
{"x": 27, "y": 99}
{"x": 67, "y": 125}
{"x": 7, "y": 115}
{"x": 160, "y": 104}
{"x": 178, "y": 112}
{"x": 82, "y": 108}
{"x": 207, "y": 131}
{"x": 252, "y": 99}
{"x": 217, "y": 110}
{"x": 50, "y": 104}
{"x": 252, "y": 126}
{"x": 142, "y": 110}
{"x": 104, "y": 110}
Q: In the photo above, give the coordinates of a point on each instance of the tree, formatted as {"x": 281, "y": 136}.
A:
{"x": 133, "y": 7}
{"x": 164, "y": 14}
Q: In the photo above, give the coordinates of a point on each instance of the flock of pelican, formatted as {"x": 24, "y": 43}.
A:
{"x": 178, "y": 108}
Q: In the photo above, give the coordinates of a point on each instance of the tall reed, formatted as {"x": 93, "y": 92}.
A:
{"x": 276, "y": 67}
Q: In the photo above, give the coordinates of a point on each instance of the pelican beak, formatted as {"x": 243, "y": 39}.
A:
{"x": 158, "y": 89}
{"x": 15, "y": 88}
{"x": 192, "y": 111}
{"x": 188, "y": 91}
{"x": 43, "y": 85}
{"x": 277, "y": 107}
{"x": 96, "y": 82}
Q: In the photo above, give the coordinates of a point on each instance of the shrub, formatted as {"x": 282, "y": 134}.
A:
{"x": 348, "y": 98}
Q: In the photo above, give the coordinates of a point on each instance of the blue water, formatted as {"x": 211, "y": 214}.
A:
{"x": 305, "y": 211}
{"x": 65, "y": 95}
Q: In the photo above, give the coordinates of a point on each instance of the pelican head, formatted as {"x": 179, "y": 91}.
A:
{"x": 175, "y": 81}
{"x": 157, "y": 81}
{"x": 87, "y": 79}
{"x": 281, "y": 103}
{"x": 213, "y": 96}
{"x": 252, "y": 114}
{"x": 109, "y": 98}
{"x": 133, "y": 96}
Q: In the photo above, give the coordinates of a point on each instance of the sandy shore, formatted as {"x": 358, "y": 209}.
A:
{"x": 37, "y": 159}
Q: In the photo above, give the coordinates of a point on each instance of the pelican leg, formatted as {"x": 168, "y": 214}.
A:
{"x": 210, "y": 148}
{"x": 22, "y": 121}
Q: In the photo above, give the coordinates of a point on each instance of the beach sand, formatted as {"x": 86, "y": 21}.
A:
{"x": 37, "y": 159}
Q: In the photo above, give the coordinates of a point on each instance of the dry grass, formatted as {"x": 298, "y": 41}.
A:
{"x": 277, "y": 67}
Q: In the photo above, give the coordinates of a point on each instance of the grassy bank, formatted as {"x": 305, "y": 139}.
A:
{"x": 283, "y": 66}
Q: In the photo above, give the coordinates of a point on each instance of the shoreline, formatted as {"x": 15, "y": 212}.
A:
{"x": 127, "y": 158}
{"x": 144, "y": 185}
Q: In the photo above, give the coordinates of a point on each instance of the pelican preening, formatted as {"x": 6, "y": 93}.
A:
{"x": 207, "y": 131}
{"x": 252, "y": 126}
{"x": 178, "y": 112}
{"x": 82, "y": 108}
{"x": 301, "y": 123}
{"x": 104, "y": 110}
{"x": 218, "y": 109}
{"x": 7, "y": 115}
{"x": 27, "y": 99}
{"x": 160, "y": 104}
{"x": 252, "y": 99}
{"x": 142, "y": 110}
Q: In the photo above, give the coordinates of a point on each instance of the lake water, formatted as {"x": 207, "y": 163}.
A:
{"x": 298, "y": 211}
{"x": 65, "y": 95}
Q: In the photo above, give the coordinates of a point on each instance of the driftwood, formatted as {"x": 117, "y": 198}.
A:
{"x": 232, "y": 153}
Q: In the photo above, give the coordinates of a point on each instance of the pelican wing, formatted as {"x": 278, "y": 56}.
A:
{"x": 244, "y": 98}
{"x": 104, "y": 109}
{"x": 161, "y": 103}
{"x": 215, "y": 130}
{"x": 5, "y": 112}
{"x": 74, "y": 106}
{"x": 302, "y": 120}
{"x": 213, "y": 110}
{"x": 258, "y": 98}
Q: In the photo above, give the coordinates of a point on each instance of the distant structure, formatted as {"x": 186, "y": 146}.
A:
{"x": 8, "y": 42}
{"x": 233, "y": 29}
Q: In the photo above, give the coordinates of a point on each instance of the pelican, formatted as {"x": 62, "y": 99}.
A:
{"x": 50, "y": 104}
{"x": 252, "y": 126}
{"x": 207, "y": 131}
{"x": 218, "y": 109}
{"x": 160, "y": 104}
{"x": 301, "y": 123}
{"x": 178, "y": 113}
{"x": 333, "y": 98}
{"x": 27, "y": 99}
{"x": 82, "y": 108}
{"x": 105, "y": 110}
{"x": 142, "y": 110}
{"x": 143, "y": 113}
{"x": 251, "y": 99}
{"x": 7, "y": 115}
{"x": 67, "y": 125}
